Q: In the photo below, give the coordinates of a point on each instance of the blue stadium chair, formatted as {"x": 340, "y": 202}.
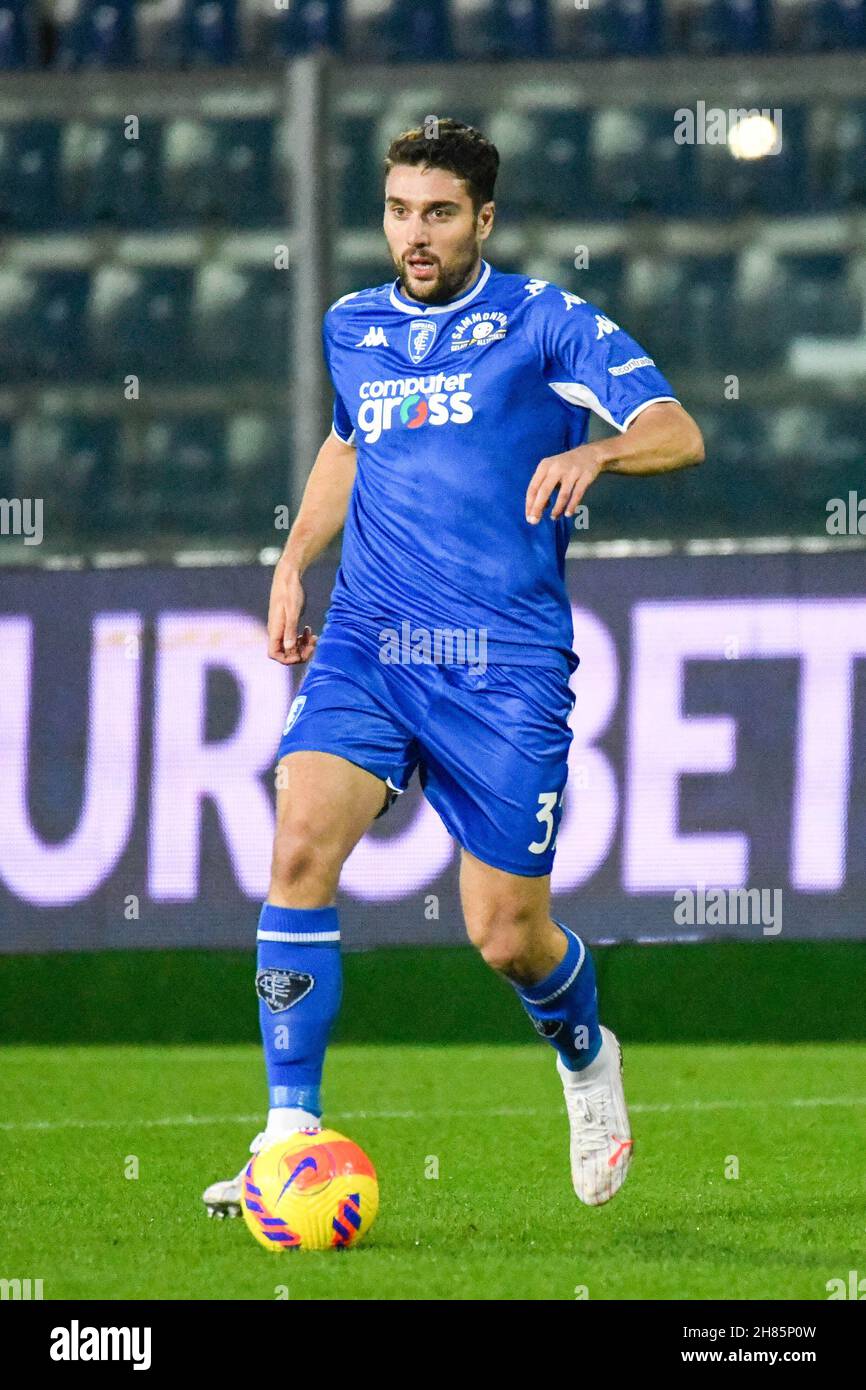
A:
{"x": 777, "y": 183}
{"x": 679, "y": 309}
{"x": 415, "y": 31}
{"x": 758, "y": 340}
{"x": 605, "y": 28}
{"x": 138, "y": 319}
{"x": 635, "y": 164}
{"x": 210, "y": 33}
{"x": 545, "y": 161}
{"x": 109, "y": 178}
{"x": 357, "y": 153}
{"x": 725, "y": 26}
{"x": 257, "y": 464}
{"x": 41, "y": 325}
{"x": 819, "y": 299}
{"x": 495, "y": 29}
{"x": 180, "y": 483}
{"x": 240, "y": 321}
{"x": 17, "y": 36}
{"x": 820, "y": 25}
{"x": 221, "y": 170}
{"x": 302, "y": 27}
{"x": 96, "y": 33}
{"x": 29, "y": 159}
{"x": 845, "y": 176}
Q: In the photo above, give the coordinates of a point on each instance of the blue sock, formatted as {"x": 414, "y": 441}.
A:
{"x": 299, "y": 981}
{"x": 564, "y": 1006}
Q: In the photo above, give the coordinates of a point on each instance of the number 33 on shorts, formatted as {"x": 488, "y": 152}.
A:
{"x": 548, "y": 804}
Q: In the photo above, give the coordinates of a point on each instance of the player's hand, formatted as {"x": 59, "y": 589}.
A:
{"x": 571, "y": 472}
{"x": 288, "y": 601}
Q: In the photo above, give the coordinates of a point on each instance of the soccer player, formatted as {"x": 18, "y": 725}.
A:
{"x": 456, "y": 462}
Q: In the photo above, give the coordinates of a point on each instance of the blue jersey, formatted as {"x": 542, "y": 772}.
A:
{"x": 451, "y": 408}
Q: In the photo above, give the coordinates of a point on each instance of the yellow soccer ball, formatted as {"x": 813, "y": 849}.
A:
{"x": 314, "y": 1190}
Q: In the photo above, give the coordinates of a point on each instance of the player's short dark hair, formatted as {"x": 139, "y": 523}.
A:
{"x": 443, "y": 143}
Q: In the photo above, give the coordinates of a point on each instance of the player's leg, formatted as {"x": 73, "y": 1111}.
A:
{"x": 508, "y": 919}
{"x": 325, "y": 803}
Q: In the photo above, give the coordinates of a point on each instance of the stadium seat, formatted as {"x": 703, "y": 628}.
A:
{"x": 356, "y": 155}
{"x": 240, "y": 321}
{"x": 606, "y": 28}
{"x": 138, "y": 319}
{"x": 109, "y": 178}
{"x": 180, "y": 480}
{"x": 41, "y": 325}
{"x": 724, "y": 26}
{"x": 17, "y": 46}
{"x": 819, "y": 298}
{"x": 635, "y": 164}
{"x": 95, "y": 33}
{"x": 257, "y": 472}
{"x": 29, "y": 157}
{"x": 302, "y": 26}
{"x": 844, "y": 181}
{"x": 221, "y": 170}
{"x": 545, "y": 162}
{"x": 416, "y": 31}
{"x": 814, "y": 26}
{"x": 776, "y": 183}
{"x": 679, "y": 308}
{"x": 210, "y": 33}
{"x": 81, "y": 450}
{"x": 490, "y": 29}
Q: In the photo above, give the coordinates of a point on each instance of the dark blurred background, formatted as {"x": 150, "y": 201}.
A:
{"x": 163, "y": 263}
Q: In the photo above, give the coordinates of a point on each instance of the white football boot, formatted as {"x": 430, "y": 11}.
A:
{"x": 601, "y": 1142}
{"x": 224, "y": 1198}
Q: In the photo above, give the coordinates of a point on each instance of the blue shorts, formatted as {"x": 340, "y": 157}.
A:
{"x": 490, "y": 745}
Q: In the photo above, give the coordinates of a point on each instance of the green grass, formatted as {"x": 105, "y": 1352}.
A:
{"x": 501, "y": 1220}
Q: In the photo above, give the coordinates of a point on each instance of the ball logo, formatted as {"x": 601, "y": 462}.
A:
{"x": 307, "y": 1172}
{"x": 478, "y": 328}
{"x": 414, "y": 410}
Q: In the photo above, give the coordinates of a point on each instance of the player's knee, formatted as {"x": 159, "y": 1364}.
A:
{"x": 499, "y": 936}
{"x": 301, "y": 860}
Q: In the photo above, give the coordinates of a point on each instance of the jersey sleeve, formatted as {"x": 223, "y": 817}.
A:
{"x": 341, "y": 420}
{"x": 592, "y": 363}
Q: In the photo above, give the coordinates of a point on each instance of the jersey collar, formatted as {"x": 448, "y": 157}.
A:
{"x": 410, "y": 307}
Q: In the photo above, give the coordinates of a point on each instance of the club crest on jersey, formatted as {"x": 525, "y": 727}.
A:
{"x": 422, "y": 335}
{"x": 479, "y": 328}
{"x": 281, "y": 989}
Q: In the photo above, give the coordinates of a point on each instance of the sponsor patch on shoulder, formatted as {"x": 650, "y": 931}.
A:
{"x": 631, "y": 365}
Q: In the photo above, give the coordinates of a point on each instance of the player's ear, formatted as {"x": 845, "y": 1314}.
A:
{"x": 486, "y": 214}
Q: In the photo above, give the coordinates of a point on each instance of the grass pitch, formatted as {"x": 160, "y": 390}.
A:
{"x": 499, "y": 1222}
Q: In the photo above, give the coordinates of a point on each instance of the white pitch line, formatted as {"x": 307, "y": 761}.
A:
{"x": 504, "y": 1112}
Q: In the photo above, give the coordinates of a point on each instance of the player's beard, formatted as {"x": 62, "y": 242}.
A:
{"x": 451, "y": 278}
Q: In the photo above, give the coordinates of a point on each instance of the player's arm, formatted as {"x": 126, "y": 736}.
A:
{"x": 661, "y": 438}
{"x": 320, "y": 518}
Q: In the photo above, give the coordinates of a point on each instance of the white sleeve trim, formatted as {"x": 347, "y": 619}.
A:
{"x": 576, "y": 393}
{"x": 643, "y": 405}
{"x": 350, "y": 440}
